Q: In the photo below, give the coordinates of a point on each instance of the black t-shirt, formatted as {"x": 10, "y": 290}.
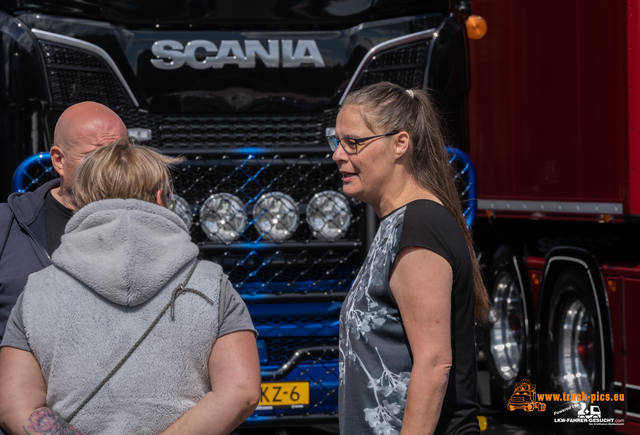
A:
{"x": 57, "y": 216}
{"x": 375, "y": 354}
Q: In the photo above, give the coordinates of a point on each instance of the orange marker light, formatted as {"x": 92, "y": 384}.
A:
{"x": 476, "y": 27}
{"x": 535, "y": 278}
{"x": 611, "y": 285}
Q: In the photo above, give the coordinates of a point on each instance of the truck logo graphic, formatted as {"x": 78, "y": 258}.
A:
{"x": 593, "y": 413}
{"x": 524, "y": 397}
{"x": 203, "y": 54}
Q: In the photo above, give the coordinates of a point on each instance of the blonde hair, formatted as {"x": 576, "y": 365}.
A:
{"x": 123, "y": 170}
{"x": 389, "y": 107}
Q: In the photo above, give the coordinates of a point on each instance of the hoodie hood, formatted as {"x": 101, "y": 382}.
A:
{"x": 126, "y": 250}
{"x": 26, "y": 205}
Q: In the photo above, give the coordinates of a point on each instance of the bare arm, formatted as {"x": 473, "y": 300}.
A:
{"x": 234, "y": 369}
{"x": 421, "y": 283}
{"x": 23, "y": 395}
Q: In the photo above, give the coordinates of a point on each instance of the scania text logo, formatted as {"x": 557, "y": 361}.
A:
{"x": 203, "y": 54}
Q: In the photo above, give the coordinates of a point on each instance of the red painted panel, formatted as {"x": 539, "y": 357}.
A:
{"x": 625, "y": 324}
{"x": 603, "y": 99}
{"x": 546, "y": 99}
{"x": 633, "y": 45}
{"x": 617, "y": 270}
{"x": 547, "y": 106}
{"x": 631, "y": 327}
{"x": 628, "y": 428}
{"x": 535, "y": 263}
{"x": 490, "y": 100}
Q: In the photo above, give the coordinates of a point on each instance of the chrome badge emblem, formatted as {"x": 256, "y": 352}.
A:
{"x": 203, "y": 54}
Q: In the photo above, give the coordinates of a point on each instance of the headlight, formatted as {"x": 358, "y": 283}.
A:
{"x": 222, "y": 217}
{"x": 180, "y": 206}
{"x": 329, "y": 215}
{"x": 276, "y": 216}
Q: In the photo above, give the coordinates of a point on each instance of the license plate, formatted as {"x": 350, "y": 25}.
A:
{"x": 284, "y": 394}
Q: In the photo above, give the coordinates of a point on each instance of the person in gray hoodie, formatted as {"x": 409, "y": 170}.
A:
{"x": 127, "y": 331}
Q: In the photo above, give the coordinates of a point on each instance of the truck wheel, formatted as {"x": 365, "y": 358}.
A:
{"x": 574, "y": 339}
{"x": 509, "y": 337}
{"x": 574, "y": 345}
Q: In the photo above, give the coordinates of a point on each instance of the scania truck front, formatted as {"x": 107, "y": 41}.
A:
{"x": 247, "y": 92}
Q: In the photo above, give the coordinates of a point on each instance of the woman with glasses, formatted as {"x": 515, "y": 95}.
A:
{"x": 407, "y": 350}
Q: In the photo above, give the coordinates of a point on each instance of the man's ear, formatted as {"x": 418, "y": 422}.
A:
{"x": 161, "y": 198}
{"x": 401, "y": 145}
{"x": 57, "y": 158}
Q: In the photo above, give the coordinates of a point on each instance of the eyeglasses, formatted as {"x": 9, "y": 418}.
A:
{"x": 350, "y": 144}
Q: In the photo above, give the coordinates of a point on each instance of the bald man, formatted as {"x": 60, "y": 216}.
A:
{"x": 32, "y": 223}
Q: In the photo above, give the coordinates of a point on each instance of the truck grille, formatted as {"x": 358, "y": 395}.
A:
{"x": 299, "y": 177}
{"x": 202, "y": 132}
{"x": 282, "y": 348}
{"x": 405, "y": 66}
{"x": 283, "y": 336}
{"x": 76, "y": 76}
{"x": 296, "y": 326}
{"x": 320, "y": 270}
{"x": 300, "y": 264}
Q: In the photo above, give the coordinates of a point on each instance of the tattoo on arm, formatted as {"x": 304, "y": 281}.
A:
{"x": 46, "y": 422}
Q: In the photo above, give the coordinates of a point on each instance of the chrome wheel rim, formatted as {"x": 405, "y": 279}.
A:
{"x": 575, "y": 348}
{"x": 507, "y": 332}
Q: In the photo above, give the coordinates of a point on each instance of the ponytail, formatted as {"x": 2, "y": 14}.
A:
{"x": 392, "y": 108}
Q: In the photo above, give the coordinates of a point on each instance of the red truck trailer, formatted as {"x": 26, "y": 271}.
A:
{"x": 554, "y": 113}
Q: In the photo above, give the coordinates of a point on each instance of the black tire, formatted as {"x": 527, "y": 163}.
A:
{"x": 574, "y": 342}
{"x": 512, "y": 321}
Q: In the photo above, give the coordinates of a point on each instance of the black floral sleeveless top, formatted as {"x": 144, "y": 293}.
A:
{"x": 375, "y": 354}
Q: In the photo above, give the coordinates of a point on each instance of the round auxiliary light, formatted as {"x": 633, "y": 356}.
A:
{"x": 222, "y": 217}
{"x": 276, "y": 216}
{"x": 180, "y": 206}
{"x": 329, "y": 215}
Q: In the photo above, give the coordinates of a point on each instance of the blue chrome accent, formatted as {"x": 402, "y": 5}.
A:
{"x": 286, "y": 327}
{"x": 312, "y": 309}
{"x": 250, "y": 290}
{"x": 327, "y": 329}
{"x": 468, "y": 175}
{"x": 296, "y": 325}
{"x": 22, "y": 180}
{"x": 254, "y": 282}
{"x": 253, "y": 151}
{"x": 253, "y": 179}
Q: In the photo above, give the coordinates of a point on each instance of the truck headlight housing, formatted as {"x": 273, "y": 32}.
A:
{"x": 329, "y": 215}
{"x": 276, "y": 216}
{"x": 222, "y": 217}
{"x": 180, "y": 206}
